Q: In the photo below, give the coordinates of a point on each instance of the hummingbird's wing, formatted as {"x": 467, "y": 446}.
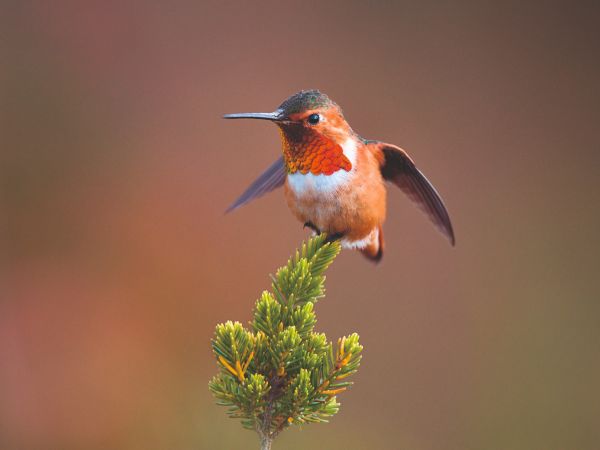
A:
{"x": 398, "y": 168}
{"x": 270, "y": 179}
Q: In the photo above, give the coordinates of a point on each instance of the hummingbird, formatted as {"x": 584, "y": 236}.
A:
{"x": 334, "y": 180}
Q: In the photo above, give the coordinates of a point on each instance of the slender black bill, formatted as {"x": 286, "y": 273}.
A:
{"x": 271, "y": 178}
{"x": 273, "y": 116}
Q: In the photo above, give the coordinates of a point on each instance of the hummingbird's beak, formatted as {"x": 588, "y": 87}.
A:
{"x": 274, "y": 116}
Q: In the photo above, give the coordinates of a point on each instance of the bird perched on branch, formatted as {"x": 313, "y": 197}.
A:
{"x": 334, "y": 180}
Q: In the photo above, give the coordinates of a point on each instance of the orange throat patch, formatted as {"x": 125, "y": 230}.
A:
{"x": 310, "y": 152}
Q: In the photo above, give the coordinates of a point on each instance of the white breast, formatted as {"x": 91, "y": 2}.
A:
{"x": 301, "y": 183}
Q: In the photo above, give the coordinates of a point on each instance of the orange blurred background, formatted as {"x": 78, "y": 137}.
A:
{"x": 117, "y": 261}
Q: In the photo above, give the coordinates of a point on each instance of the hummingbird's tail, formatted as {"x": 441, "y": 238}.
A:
{"x": 374, "y": 251}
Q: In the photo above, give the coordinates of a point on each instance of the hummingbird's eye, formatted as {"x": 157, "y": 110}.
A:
{"x": 313, "y": 119}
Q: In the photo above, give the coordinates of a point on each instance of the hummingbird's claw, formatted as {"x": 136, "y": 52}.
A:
{"x": 312, "y": 226}
{"x": 330, "y": 237}
{"x": 333, "y": 237}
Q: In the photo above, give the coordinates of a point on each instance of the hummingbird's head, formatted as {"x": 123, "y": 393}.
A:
{"x": 313, "y": 132}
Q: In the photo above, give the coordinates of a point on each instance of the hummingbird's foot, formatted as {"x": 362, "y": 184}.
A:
{"x": 312, "y": 226}
{"x": 333, "y": 237}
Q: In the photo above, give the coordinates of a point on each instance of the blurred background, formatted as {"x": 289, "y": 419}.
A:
{"x": 116, "y": 260}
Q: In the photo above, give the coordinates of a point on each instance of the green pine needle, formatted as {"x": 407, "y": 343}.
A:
{"x": 280, "y": 372}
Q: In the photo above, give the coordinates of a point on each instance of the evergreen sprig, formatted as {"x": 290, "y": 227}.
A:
{"x": 280, "y": 372}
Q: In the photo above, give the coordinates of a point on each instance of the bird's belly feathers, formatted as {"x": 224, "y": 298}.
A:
{"x": 317, "y": 198}
{"x": 351, "y": 203}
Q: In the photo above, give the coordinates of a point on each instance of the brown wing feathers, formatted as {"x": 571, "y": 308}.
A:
{"x": 270, "y": 179}
{"x": 398, "y": 168}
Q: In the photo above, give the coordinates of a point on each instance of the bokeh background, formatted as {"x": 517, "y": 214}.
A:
{"x": 116, "y": 260}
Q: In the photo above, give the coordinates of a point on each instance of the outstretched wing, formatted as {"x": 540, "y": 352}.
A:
{"x": 398, "y": 168}
{"x": 270, "y": 179}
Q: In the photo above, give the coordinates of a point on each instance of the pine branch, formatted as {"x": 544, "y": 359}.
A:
{"x": 280, "y": 372}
